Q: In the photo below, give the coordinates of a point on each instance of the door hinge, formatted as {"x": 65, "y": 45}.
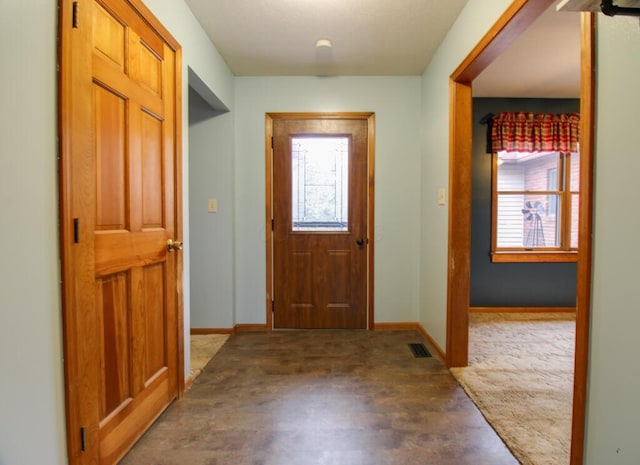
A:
{"x": 273, "y": 306}
{"x": 74, "y": 16}
{"x": 272, "y": 224}
{"x": 83, "y": 438}
{"x": 76, "y": 230}
{"x": 271, "y": 141}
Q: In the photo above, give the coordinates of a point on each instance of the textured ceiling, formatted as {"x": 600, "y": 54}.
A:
{"x": 370, "y": 37}
{"x": 382, "y": 37}
{"x": 543, "y": 62}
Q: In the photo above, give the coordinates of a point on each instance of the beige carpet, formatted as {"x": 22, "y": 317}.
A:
{"x": 203, "y": 348}
{"x": 520, "y": 375}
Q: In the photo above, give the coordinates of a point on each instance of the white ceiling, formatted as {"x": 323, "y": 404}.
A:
{"x": 543, "y": 62}
{"x": 382, "y": 37}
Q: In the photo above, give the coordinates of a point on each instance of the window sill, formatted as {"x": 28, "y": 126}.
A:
{"x": 534, "y": 257}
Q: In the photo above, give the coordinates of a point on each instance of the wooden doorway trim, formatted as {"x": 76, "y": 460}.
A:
{"x": 269, "y": 118}
{"x": 518, "y": 17}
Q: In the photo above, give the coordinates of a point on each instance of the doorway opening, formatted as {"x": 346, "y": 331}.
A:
{"x": 515, "y": 20}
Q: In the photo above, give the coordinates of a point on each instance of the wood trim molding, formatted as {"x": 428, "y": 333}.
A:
{"x": 518, "y": 17}
{"x": 585, "y": 219}
{"x": 433, "y": 345}
{"x": 251, "y": 328}
{"x": 197, "y": 331}
{"x": 459, "y": 252}
{"x": 407, "y": 326}
{"x": 371, "y": 162}
{"x": 269, "y": 118}
{"x": 522, "y": 309}
{"x": 268, "y": 182}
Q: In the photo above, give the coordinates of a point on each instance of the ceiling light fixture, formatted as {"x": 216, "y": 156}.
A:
{"x": 323, "y": 43}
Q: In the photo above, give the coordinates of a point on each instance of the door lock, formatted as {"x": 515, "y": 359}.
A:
{"x": 174, "y": 245}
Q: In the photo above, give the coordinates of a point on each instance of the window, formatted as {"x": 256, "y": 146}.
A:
{"x": 535, "y": 206}
{"x": 320, "y": 180}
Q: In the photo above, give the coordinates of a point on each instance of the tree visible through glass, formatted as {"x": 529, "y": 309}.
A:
{"x": 319, "y": 183}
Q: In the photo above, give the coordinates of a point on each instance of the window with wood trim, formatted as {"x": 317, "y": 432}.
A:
{"x": 535, "y": 206}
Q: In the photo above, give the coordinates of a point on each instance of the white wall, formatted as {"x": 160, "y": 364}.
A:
{"x": 614, "y": 378}
{"x": 396, "y": 102}
{"x": 476, "y": 19}
{"x": 31, "y": 387}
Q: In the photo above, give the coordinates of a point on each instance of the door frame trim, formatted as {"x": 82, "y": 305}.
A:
{"x": 509, "y": 26}
{"x": 68, "y": 147}
{"x": 269, "y": 118}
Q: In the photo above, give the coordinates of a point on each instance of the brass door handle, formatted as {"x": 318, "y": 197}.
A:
{"x": 174, "y": 245}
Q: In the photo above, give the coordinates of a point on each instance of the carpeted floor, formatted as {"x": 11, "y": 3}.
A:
{"x": 520, "y": 375}
{"x": 203, "y": 348}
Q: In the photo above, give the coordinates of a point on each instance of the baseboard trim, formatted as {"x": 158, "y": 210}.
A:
{"x": 522, "y": 309}
{"x": 432, "y": 343}
{"x": 408, "y": 326}
{"x": 250, "y": 328}
{"x": 413, "y": 326}
{"x": 211, "y": 330}
{"x": 188, "y": 382}
{"x": 239, "y": 328}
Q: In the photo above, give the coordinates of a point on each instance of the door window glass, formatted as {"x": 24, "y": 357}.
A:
{"x": 320, "y": 174}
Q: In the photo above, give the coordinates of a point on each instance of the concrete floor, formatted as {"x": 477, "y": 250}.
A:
{"x": 322, "y": 397}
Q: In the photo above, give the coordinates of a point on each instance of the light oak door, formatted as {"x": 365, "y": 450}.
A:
{"x": 320, "y": 223}
{"x": 120, "y": 224}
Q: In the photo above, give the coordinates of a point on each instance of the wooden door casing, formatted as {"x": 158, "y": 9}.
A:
{"x": 320, "y": 277}
{"x": 120, "y": 203}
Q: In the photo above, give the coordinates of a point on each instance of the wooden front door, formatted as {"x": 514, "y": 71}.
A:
{"x": 120, "y": 197}
{"x": 320, "y": 238}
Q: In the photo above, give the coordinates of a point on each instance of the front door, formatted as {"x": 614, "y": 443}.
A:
{"x": 320, "y": 238}
{"x": 119, "y": 198}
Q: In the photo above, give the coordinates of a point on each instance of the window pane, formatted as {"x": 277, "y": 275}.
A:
{"x": 552, "y": 185}
{"x": 524, "y": 171}
{"x": 573, "y": 222}
{"x": 523, "y": 221}
{"x": 574, "y": 172}
{"x": 320, "y": 183}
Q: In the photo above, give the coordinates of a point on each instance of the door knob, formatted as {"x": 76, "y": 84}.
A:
{"x": 174, "y": 245}
{"x": 360, "y": 242}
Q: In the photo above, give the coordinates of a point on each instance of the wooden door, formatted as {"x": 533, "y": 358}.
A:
{"x": 320, "y": 223}
{"x": 120, "y": 207}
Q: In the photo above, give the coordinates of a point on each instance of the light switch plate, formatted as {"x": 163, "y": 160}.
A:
{"x": 212, "y": 205}
{"x": 441, "y": 196}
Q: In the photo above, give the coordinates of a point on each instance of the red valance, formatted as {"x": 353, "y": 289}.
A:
{"x": 530, "y": 132}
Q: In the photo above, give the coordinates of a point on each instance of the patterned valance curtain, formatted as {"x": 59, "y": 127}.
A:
{"x": 530, "y": 132}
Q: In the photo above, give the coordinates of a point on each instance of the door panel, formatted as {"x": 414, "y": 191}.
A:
{"x": 320, "y": 213}
{"x": 131, "y": 189}
{"x": 119, "y": 192}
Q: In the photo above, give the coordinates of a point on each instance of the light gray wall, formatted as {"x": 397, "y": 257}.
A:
{"x": 476, "y": 19}
{"x": 614, "y": 378}
{"x": 200, "y": 55}
{"x": 31, "y": 387}
{"x": 396, "y": 102}
{"x": 211, "y": 234}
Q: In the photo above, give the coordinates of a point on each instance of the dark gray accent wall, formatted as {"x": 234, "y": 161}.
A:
{"x": 510, "y": 284}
